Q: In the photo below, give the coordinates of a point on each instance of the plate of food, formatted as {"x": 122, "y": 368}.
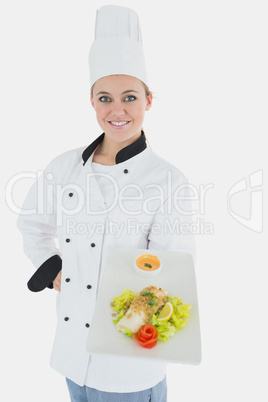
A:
{"x": 147, "y": 307}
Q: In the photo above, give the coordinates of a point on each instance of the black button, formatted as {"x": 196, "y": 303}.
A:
{"x": 71, "y": 194}
{"x": 125, "y": 171}
{"x": 67, "y": 240}
{"x": 92, "y": 244}
{"x": 89, "y": 286}
{"x": 87, "y": 325}
{"x": 67, "y": 280}
{"x": 66, "y": 318}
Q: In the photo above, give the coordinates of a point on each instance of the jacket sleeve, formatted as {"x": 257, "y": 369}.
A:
{"x": 172, "y": 226}
{"x": 38, "y": 225}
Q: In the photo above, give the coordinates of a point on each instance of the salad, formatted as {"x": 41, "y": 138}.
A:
{"x": 149, "y": 315}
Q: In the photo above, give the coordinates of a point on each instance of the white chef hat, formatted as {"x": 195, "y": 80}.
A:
{"x": 117, "y": 48}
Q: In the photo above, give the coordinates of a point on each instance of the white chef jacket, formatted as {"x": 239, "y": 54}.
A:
{"x": 146, "y": 199}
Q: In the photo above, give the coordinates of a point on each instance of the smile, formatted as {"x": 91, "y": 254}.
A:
{"x": 120, "y": 123}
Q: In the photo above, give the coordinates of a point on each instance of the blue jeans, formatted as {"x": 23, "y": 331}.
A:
{"x": 85, "y": 394}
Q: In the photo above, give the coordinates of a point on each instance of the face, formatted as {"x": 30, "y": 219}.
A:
{"x": 120, "y": 104}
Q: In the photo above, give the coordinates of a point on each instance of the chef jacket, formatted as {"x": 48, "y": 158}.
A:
{"x": 67, "y": 224}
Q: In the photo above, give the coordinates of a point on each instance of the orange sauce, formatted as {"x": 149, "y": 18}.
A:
{"x": 148, "y": 262}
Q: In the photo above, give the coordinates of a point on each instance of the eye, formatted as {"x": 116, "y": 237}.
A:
{"x": 130, "y": 98}
{"x": 105, "y": 99}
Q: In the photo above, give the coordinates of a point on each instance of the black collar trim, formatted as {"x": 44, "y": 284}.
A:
{"x": 124, "y": 154}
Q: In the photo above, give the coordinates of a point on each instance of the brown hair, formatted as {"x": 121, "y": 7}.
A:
{"x": 146, "y": 88}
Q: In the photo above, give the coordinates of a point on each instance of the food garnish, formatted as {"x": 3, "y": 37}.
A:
{"x": 147, "y": 265}
{"x": 166, "y": 312}
{"x": 147, "y": 336}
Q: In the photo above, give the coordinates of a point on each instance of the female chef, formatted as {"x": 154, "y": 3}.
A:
{"x": 114, "y": 193}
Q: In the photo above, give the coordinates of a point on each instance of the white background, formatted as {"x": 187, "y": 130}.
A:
{"x": 207, "y": 64}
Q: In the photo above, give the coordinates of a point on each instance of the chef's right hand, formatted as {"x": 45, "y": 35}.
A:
{"x": 57, "y": 282}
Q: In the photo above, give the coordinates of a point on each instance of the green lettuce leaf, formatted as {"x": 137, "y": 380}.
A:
{"x": 180, "y": 312}
{"x": 119, "y": 303}
{"x": 178, "y": 319}
{"x": 127, "y": 332}
{"x": 165, "y": 329}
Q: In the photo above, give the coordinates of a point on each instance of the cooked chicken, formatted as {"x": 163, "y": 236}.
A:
{"x": 145, "y": 304}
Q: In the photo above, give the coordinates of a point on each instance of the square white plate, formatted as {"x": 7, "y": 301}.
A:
{"x": 177, "y": 277}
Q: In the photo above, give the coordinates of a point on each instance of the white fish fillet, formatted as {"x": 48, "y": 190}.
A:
{"x": 131, "y": 321}
{"x": 140, "y": 312}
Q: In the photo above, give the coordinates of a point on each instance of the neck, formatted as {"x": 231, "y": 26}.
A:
{"x": 110, "y": 148}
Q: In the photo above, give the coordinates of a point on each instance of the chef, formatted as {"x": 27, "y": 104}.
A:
{"x": 115, "y": 192}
